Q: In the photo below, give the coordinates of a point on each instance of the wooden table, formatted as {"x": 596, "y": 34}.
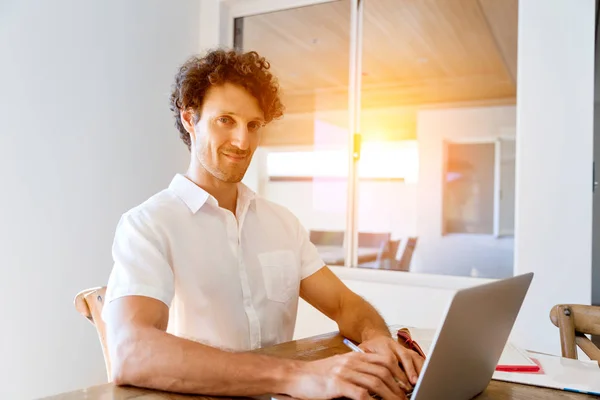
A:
{"x": 314, "y": 348}
{"x": 336, "y": 255}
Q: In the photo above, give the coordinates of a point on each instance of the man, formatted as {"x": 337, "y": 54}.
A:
{"x": 206, "y": 270}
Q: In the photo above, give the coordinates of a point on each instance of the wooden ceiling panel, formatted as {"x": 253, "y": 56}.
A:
{"x": 307, "y": 46}
{"x": 406, "y": 93}
{"x": 415, "y": 52}
{"x": 408, "y": 39}
{"x": 503, "y": 20}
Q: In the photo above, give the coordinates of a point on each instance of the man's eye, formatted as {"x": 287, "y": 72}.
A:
{"x": 224, "y": 120}
{"x": 254, "y": 126}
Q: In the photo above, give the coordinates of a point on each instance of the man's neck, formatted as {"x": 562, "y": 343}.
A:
{"x": 225, "y": 193}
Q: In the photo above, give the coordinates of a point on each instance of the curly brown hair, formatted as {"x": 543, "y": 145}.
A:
{"x": 216, "y": 67}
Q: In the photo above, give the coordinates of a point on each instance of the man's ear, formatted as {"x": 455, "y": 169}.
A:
{"x": 187, "y": 119}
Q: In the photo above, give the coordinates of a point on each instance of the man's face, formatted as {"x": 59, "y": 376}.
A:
{"x": 228, "y": 132}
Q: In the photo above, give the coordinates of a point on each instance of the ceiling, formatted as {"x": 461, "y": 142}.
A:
{"x": 415, "y": 52}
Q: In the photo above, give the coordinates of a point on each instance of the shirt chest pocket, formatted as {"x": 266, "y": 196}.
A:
{"x": 280, "y": 273}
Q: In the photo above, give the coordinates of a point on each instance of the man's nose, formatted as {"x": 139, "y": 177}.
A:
{"x": 241, "y": 138}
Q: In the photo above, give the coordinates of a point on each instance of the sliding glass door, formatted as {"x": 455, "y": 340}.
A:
{"x": 397, "y": 148}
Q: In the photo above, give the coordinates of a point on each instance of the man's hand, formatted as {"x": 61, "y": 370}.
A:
{"x": 352, "y": 375}
{"x": 359, "y": 321}
{"x": 388, "y": 347}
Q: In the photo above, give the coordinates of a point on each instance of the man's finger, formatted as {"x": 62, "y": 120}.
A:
{"x": 392, "y": 366}
{"x": 419, "y": 362}
{"x": 374, "y": 385}
{"x": 382, "y": 373}
{"x": 352, "y": 391}
{"x": 404, "y": 356}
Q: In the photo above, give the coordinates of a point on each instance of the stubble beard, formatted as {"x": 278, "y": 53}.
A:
{"x": 224, "y": 173}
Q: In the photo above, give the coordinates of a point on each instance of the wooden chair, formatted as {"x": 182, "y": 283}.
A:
{"x": 404, "y": 263}
{"x": 373, "y": 240}
{"x": 89, "y": 303}
{"x": 574, "y": 322}
{"x": 386, "y": 257}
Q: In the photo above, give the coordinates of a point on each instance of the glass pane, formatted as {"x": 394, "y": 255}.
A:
{"x": 438, "y": 89}
{"x": 302, "y": 162}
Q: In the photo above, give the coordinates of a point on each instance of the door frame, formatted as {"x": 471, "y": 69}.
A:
{"x": 497, "y": 142}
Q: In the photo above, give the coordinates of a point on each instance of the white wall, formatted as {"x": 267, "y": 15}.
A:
{"x": 554, "y": 160}
{"x": 85, "y": 134}
{"x": 456, "y": 253}
{"x": 210, "y": 24}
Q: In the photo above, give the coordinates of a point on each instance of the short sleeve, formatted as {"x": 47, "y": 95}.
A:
{"x": 140, "y": 266}
{"x": 310, "y": 259}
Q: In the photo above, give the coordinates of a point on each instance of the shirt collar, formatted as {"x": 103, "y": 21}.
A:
{"x": 195, "y": 197}
{"x": 245, "y": 195}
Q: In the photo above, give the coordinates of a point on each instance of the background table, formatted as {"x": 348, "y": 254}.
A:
{"x": 336, "y": 255}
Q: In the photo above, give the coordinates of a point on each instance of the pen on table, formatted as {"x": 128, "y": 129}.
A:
{"x": 582, "y": 391}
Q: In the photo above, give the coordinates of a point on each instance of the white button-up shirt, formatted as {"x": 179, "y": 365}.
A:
{"x": 230, "y": 281}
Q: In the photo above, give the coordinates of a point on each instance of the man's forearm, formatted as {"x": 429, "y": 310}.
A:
{"x": 154, "y": 359}
{"x": 359, "y": 321}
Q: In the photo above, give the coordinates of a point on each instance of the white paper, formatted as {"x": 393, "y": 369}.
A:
{"x": 559, "y": 373}
{"x": 513, "y": 355}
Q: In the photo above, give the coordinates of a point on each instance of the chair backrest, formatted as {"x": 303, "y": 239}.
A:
{"x": 327, "y": 238}
{"x": 386, "y": 256}
{"x": 407, "y": 254}
{"x": 574, "y": 321}
{"x": 89, "y": 303}
{"x": 373, "y": 239}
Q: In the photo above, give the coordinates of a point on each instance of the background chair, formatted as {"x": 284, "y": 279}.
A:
{"x": 374, "y": 249}
{"x": 89, "y": 303}
{"x": 386, "y": 258}
{"x": 574, "y": 322}
{"x": 403, "y": 264}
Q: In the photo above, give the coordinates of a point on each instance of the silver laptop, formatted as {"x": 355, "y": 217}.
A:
{"x": 466, "y": 349}
{"x": 468, "y": 346}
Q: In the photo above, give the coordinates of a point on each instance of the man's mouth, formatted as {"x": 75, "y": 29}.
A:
{"x": 235, "y": 157}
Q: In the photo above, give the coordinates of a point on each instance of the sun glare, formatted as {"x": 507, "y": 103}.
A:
{"x": 379, "y": 160}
